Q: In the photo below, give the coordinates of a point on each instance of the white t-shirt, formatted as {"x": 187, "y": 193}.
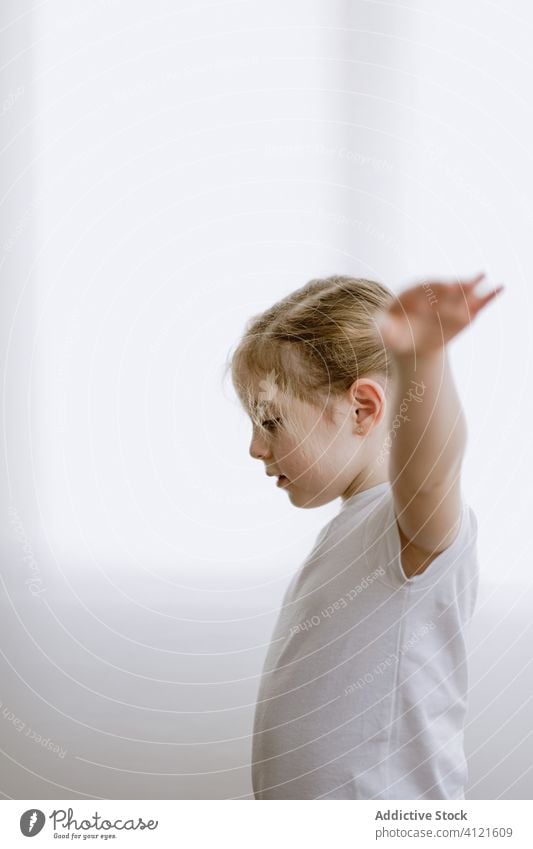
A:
{"x": 364, "y": 686}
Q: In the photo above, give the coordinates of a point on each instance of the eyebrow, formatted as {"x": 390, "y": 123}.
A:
{"x": 267, "y": 408}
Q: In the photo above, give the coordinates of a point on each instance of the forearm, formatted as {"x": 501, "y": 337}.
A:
{"x": 430, "y": 440}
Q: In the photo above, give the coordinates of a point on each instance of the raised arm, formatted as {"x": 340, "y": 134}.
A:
{"x": 429, "y": 445}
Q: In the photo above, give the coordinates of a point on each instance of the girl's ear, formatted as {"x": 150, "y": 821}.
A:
{"x": 369, "y": 401}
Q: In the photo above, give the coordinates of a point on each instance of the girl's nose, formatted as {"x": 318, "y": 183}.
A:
{"x": 259, "y": 449}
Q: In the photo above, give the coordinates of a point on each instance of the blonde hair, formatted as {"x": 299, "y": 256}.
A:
{"x": 311, "y": 346}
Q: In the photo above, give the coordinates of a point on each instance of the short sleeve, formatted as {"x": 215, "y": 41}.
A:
{"x": 382, "y": 536}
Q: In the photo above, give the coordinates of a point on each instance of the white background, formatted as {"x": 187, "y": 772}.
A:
{"x": 168, "y": 170}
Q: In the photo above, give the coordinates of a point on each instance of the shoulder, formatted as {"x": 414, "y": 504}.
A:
{"x": 409, "y": 562}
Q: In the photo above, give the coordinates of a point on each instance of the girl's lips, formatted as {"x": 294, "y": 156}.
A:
{"x": 282, "y": 480}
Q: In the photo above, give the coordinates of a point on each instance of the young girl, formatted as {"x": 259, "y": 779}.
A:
{"x": 364, "y": 687}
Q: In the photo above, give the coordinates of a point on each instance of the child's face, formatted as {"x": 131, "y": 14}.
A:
{"x": 320, "y": 465}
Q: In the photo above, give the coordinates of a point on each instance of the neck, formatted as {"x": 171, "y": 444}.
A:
{"x": 365, "y": 480}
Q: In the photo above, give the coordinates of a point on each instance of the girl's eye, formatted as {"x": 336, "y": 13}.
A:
{"x": 271, "y": 424}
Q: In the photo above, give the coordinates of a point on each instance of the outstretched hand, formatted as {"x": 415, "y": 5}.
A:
{"x": 426, "y": 316}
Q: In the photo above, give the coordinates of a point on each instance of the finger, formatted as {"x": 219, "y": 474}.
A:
{"x": 484, "y": 299}
{"x": 465, "y": 281}
{"x": 441, "y": 287}
{"x": 470, "y": 282}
